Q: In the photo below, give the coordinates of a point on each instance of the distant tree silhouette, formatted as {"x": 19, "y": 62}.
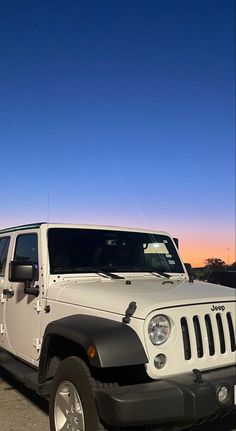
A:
{"x": 215, "y": 264}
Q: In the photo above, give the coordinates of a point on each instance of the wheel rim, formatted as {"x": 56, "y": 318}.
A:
{"x": 68, "y": 410}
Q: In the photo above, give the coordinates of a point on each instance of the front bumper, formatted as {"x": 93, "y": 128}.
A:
{"x": 177, "y": 400}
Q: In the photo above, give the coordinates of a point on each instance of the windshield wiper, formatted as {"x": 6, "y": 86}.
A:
{"x": 162, "y": 274}
{"x": 109, "y": 274}
{"x": 151, "y": 271}
{"x": 86, "y": 269}
{"x": 97, "y": 271}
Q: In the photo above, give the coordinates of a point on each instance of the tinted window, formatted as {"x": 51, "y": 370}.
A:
{"x": 4, "y": 245}
{"x": 85, "y": 250}
{"x": 26, "y": 248}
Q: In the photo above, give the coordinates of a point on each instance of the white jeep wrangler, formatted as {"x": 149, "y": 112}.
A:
{"x": 107, "y": 324}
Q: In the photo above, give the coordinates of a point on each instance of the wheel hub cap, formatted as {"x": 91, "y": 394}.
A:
{"x": 68, "y": 410}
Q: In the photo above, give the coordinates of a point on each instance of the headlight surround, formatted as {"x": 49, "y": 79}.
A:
{"x": 159, "y": 329}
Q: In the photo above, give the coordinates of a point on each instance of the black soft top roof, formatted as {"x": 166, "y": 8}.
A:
{"x": 22, "y": 227}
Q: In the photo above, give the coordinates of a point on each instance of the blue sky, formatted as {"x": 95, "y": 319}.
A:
{"x": 121, "y": 113}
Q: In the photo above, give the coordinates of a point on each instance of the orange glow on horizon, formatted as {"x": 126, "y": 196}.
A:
{"x": 198, "y": 251}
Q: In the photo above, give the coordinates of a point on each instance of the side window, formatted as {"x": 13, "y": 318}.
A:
{"x": 27, "y": 248}
{"x": 4, "y": 245}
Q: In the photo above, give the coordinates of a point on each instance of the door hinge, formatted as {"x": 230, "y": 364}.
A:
{"x": 3, "y": 298}
{"x": 37, "y": 306}
{"x": 2, "y": 329}
{"x": 37, "y": 343}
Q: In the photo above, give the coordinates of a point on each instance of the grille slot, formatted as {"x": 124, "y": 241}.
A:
{"x": 221, "y": 332}
{"x": 186, "y": 339}
{"x": 212, "y": 334}
{"x": 210, "y": 337}
{"x": 198, "y": 336}
{"x": 231, "y": 332}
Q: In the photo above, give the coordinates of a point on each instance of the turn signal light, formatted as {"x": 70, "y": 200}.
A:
{"x": 91, "y": 352}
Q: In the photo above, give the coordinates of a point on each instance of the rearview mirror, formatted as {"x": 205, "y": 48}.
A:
{"x": 20, "y": 271}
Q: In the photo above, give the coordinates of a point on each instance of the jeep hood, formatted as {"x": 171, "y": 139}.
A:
{"x": 150, "y": 294}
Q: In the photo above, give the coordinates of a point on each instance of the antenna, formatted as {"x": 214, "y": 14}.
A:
{"x": 48, "y": 209}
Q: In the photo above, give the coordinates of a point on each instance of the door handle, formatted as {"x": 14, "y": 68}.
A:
{"x": 8, "y": 293}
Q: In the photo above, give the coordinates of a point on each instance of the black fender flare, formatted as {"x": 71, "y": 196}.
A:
{"x": 116, "y": 343}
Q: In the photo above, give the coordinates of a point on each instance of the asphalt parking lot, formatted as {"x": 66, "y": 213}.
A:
{"x": 23, "y": 410}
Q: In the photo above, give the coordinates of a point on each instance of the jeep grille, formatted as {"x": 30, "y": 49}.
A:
{"x": 203, "y": 336}
{"x": 207, "y": 335}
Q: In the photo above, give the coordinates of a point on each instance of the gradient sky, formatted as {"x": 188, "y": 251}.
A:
{"x": 121, "y": 113}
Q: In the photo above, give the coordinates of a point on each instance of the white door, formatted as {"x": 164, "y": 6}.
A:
{"x": 4, "y": 247}
{"x": 23, "y": 310}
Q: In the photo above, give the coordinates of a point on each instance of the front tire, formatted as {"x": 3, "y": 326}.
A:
{"x": 72, "y": 404}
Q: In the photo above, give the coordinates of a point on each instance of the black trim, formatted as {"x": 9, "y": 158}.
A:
{"x": 116, "y": 344}
{"x": 22, "y": 227}
{"x": 23, "y": 372}
{"x": 169, "y": 401}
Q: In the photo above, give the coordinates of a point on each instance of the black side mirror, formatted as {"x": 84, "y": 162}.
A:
{"x": 20, "y": 271}
{"x": 189, "y": 270}
{"x": 25, "y": 272}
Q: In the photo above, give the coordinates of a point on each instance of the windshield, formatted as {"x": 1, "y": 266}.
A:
{"x": 93, "y": 250}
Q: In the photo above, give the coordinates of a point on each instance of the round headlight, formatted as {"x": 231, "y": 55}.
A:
{"x": 159, "y": 329}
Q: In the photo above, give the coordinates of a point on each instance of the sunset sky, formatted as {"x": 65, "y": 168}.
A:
{"x": 121, "y": 113}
